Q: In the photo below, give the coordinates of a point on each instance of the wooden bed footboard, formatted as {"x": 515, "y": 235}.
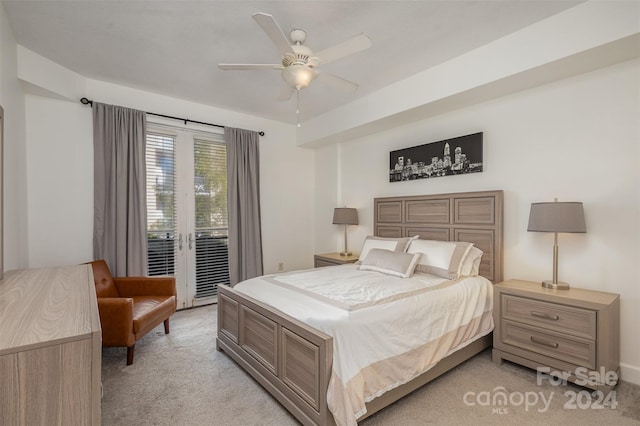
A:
{"x": 291, "y": 360}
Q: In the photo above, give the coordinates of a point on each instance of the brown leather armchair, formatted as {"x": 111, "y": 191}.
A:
{"x": 130, "y": 307}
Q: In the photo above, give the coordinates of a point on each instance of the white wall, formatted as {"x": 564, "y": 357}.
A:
{"x": 577, "y": 139}
{"x": 60, "y": 182}
{"x": 14, "y": 156}
{"x": 326, "y": 195}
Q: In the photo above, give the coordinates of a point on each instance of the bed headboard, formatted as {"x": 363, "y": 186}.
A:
{"x": 475, "y": 217}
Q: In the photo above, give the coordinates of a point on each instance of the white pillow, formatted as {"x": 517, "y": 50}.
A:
{"x": 471, "y": 263}
{"x": 390, "y": 262}
{"x": 441, "y": 258}
{"x": 395, "y": 244}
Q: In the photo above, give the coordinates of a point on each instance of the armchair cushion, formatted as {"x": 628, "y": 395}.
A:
{"x": 148, "y": 310}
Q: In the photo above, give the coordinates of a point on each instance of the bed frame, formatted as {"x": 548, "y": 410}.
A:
{"x": 292, "y": 361}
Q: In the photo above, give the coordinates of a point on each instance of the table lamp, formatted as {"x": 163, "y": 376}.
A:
{"x": 556, "y": 217}
{"x": 345, "y": 216}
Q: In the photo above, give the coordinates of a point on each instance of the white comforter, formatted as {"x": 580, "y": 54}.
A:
{"x": 385, "y": 330}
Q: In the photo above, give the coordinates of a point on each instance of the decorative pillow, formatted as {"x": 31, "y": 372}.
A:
{"x": 471, "y": 263}
{"x": 441, "y": 258}
{"x": 390, "y": 262}
{"x": 394, "y": 244}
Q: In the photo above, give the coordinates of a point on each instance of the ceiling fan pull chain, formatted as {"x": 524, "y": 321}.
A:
{"x": 298, "y": 106}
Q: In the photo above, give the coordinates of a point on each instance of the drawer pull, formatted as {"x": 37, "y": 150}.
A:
{"x": 539, "y": 341}
{"x": 545, "y": 316}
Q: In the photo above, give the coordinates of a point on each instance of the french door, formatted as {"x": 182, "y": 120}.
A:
{"x": 187, "y": 211}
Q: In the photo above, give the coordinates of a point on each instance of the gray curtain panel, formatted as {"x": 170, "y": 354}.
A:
{"x": 120, "y": 207}
{"x": 243, "y": 201}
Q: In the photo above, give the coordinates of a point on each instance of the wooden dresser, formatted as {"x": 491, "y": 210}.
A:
{"x": 573, "y": 332}
{"x": 50, "y": 347}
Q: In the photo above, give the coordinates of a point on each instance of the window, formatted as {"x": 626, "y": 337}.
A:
{"x": 211, "y": 226}
{"x": 161, "y": 204}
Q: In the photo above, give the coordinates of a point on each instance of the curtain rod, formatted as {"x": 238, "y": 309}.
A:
{"x": 86, "y": 101}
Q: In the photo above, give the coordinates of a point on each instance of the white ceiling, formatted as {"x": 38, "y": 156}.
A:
{"x": 173, "y": 47}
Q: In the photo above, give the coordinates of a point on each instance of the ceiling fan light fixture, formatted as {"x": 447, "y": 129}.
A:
{"x": 298, "y": 76}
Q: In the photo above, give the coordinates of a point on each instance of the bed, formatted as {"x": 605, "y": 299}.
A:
{"x": 294, "y": 361}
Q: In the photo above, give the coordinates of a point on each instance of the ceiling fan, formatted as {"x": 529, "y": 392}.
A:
{"x": 299, "y": 63}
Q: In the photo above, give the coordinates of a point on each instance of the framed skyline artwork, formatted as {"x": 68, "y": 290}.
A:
{"x": 454, "y": 156}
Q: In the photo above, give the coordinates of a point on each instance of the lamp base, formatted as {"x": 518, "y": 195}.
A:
{"x": 346, "y": 253}
{"x": 555, "y": 286}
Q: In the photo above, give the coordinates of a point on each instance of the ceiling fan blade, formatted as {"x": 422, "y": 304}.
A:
{"x": 337, "y": 82}
{"x": 250, "y": 67}
{"x": 286, "y": 92}
{"x": 271, "y": 28}
{"x": 349, "y": 47}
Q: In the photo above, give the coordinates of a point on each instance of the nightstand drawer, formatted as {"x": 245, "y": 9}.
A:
{"x": 321, "y": 262}
{"x": 564, "y": 319}
{"x": 576, "y": 351}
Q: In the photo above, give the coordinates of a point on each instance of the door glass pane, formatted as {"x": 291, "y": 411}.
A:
{"x": 161, "y": 203}
{"x": 210, "y": 190}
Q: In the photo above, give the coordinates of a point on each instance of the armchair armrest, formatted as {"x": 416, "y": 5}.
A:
{"x": 146, "y": 286}
{"x": 116, "y": 319}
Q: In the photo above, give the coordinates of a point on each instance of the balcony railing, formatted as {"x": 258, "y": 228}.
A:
{"x": 212, "y": 258}
{"x": 161, "y": 252}
{"x": 212, "y": 261}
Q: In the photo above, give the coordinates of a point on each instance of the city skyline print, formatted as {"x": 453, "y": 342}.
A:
{"x": 459, "y": 155}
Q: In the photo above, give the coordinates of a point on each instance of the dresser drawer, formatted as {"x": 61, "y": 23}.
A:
{"x": 565, "y": 319}
{"x": 573, "y": 350}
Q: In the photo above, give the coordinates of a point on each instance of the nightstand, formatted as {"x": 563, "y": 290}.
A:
{"x": 570, "y": 334}
{"x": 332, "y": 259}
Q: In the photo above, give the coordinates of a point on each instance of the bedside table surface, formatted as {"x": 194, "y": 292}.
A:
{"x": 336, "y": 257}
{"x": 588, "y": 297}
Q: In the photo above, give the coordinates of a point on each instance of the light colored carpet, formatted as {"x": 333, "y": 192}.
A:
{"x": 180, "y": 379}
